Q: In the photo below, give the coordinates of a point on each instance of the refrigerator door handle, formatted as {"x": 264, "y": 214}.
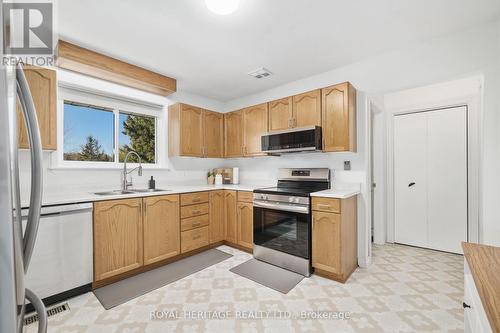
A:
{"x": 40, "y": 310}
{"x": 31, "y": 121}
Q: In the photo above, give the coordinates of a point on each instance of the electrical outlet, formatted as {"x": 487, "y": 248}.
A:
{"x": 347, "y": 165}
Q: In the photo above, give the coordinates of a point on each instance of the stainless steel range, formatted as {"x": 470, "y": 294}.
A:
{"x": 282, "y": 218}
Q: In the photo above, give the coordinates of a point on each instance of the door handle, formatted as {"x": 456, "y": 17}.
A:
{"x": 411, "y": 184}
{"x": 29, "y": 111}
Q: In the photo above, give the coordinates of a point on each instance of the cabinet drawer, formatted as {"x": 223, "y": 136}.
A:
{"x": 194, "y": 239}
{"x": 194, "y": 198}
{"x": 194, "y": 222}
{"x": 326, "y": 205}
{"x": 245, "y": 196}
{"x": 194, "y": 210}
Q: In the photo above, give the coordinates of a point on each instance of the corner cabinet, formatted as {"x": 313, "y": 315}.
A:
{"x": 161, "y": 228}
{"x": 254, "y": 126}
{"x": 230, "y": 216}
{"x": 233, "y": 134}
{"x": 43, "y": 87}
{"x": 118, "y": 237}
{"x": 243, "y": 131}
{"x": 194, "y": 132}
{"x": 217, "y": 229}
{"x": 334, "y": 237}
{"x": 339, "y": 118}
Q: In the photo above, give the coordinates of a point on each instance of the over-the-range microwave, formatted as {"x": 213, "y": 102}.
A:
{"x": 292, "y": 140}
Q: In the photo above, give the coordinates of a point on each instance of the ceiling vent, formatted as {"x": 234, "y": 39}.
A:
{"x": 260, "y": 73}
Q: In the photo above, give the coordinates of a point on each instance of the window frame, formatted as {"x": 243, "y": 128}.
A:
{"x": 117, "y": 106}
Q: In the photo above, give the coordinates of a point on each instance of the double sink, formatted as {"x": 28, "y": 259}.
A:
{"x": 134, "y": 191}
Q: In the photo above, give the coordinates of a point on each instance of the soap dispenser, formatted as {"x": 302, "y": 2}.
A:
{"x": 151, "y": 183}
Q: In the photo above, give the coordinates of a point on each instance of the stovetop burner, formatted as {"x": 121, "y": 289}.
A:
{"x": 299, "y": 182}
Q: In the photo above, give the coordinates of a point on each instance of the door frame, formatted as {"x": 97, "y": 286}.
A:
{"x": 464, "y": 92}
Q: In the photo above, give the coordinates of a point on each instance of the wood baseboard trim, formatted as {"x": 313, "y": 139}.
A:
{"x": 239, "y": 247}
{"x": 342, "y": 278}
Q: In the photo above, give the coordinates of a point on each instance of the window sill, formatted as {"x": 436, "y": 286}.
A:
{"x": 104, "y": 168}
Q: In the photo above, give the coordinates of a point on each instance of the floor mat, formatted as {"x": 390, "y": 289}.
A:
{"x": 268, "y": 275}
{"x": 138, "y": 285}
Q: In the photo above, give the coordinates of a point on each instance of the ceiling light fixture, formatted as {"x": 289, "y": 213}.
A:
{"x": 222, "y": 7}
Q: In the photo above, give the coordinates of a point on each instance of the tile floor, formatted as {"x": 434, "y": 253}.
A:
{"x": 405, "y": 290}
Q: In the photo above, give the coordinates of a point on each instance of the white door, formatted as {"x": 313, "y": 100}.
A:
{"x": 447, "y": 179}
{"x": 430, "y": 170}
{"x": 410, "y": 183}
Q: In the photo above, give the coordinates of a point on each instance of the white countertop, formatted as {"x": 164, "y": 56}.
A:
{"x": 62, "y": 198}
{"x": 336, "y": 193}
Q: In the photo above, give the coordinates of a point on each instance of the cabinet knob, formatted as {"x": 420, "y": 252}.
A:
{"x": 465, "y": 305}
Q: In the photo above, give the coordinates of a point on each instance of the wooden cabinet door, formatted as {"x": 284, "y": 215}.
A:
{"x": 307, "y": 109}
{"x": 326, "y": 241}
{"x": 213, "y": 124}
{"x": 43, "y": 87}
{"x": 191, "y": 131}
{"x": 255, "y": 125}
{"x": 280, "y": 114}
{"x": 339, "y": 118}
{"x": 217, "y": 226}
{"x": 161, "y": 228}
{"x": 233, "y": 134}
{"x": 118, "y": 237}
{"x": 230, "y": 216}
{"x": 245, "y": 224}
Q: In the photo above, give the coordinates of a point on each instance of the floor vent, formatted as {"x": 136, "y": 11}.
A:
{"x": 33, "y": 318}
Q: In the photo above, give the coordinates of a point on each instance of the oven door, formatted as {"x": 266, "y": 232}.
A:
{"x": 283, "y": 230}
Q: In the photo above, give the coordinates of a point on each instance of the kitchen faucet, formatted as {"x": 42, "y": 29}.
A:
{"x": 125, "y": 183}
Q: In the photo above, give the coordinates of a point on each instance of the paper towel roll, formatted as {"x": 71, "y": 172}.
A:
{"x": 236, "y": 175}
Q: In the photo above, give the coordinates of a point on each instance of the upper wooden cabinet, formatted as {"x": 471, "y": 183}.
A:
{"x": 194, "y": 131}
{"x": 161, "y": 228}
{"x": 233, "y": 134}
{"x": 280, "y": 114}
{"x": 254, "y": 126}
{"x": 339, "y": 118}
{"x": 43, "y": 87}
{"x": 213, "y": 123}
{"x": 307, "y": 109}
{"x": 118, "y": 237}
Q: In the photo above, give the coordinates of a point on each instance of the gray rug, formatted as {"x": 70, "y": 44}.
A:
{"x": 268, "y": 275}
{"x": 138, "y": 285}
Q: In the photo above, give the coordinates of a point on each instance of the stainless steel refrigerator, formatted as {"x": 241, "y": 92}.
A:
{"x": 16, "y": 248}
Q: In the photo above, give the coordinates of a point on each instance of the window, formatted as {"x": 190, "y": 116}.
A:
{"x": 137, "y": 133}
{"x": 88, "y": 133}
{"x": 99, "y": 132}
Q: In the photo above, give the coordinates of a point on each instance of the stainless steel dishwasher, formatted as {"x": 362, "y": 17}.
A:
{"x": 62, "y": 262}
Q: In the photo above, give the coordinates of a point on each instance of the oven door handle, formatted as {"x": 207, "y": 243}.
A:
{"x": 277, "y": 206}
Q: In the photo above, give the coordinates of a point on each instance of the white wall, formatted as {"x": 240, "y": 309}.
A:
{"x": 476, "y": 51}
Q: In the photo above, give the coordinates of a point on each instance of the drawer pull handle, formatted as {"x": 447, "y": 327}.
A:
{"x": 196, "y": 212}
{"x": 465, "y": 305}
{"x": 195, "y": 224}
{"x": 196, "y": 200}
{"x": 196, "y": 237}
{"x": 324, "y": 206}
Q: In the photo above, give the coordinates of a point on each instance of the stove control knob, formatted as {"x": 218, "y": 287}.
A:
{"x": 291, "y": 199}
{"x": 297, "y": 200}
{"x": 263, "y": 197}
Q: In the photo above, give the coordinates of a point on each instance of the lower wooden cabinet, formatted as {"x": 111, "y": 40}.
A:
{"x": 118, "y": 237}
{"x": 230, "y": 205}
{"x": 217, "y": 227}
{"x": 194, "y": 239}
{"x": 334, "y": 237}
{"x": 161, "y": 228}
{"x": 245, "y": 224}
